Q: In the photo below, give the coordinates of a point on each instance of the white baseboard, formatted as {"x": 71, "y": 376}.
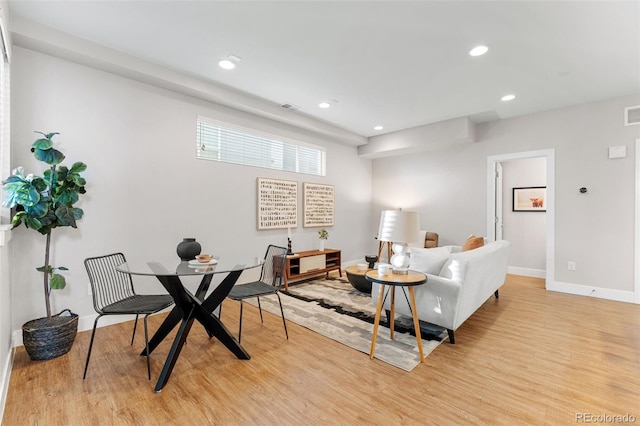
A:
{"x": 6, "y": 376}
{"x": 527, "y": 272}
{"x": 590, "y": 291}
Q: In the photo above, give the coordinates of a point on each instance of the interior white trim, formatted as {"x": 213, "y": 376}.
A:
{"x": 591, "y": 291}
{"x": 636, "y": 291}
{"x": 549, "y": 154}
{"x": 6, "y": 376}
{"x": 526, "y": 272}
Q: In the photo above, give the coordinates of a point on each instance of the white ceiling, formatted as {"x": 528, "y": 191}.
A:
{"x": 392, "y": 63}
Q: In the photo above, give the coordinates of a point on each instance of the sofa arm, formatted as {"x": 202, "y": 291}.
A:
{"x": 437, "y": 300}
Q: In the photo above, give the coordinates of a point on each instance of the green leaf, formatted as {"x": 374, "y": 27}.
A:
{"x": 48, "y": 219}
{"x": 62, "y": 268}
{"x": 50, "y": 156}
{"x": 17, "y": 219}
{"x": 78, "y": 167}
{"x": 57, "y": 282}
{"x": 78, "y": 213}
{"x": 65, "y": 215}
{"x": 41, "y": 269}
{"x": 38, "y": 210}
{"x": 79, "y": 180}
{"x": 33, "y": 223}
{"x": 49, "y": 135}
{"x": 42, "y": 144}
{"x": 58, "y": 175}
{"x": 67, "y": 196}
{"x": 20, "y": 192}
{"x": 40, "y": 184}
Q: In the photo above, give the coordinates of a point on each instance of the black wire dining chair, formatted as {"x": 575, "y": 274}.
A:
{"x": 113, "y": 294}
{"x": 269, "y": 283}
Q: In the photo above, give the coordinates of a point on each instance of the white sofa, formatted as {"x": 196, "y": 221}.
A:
{"x": 458, "y": 283}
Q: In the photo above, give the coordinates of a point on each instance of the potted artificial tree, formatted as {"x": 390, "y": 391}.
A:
{"x": 42, "y": 204}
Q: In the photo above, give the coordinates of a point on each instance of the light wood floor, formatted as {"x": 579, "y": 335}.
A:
{"x": 531, "y": 357}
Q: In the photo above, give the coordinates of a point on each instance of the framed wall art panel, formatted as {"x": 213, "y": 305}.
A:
{"x": 318, "y": 201}
{"x": 277, "y": 204}
{"x": 530, "y": 199}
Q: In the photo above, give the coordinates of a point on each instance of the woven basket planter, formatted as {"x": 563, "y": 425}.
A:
{"x": 47, "y": 338}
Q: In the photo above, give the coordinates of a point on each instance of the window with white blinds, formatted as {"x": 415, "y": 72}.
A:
{"x": 218, "y": 141}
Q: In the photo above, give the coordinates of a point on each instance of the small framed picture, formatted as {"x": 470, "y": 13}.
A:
{"x": 530, "y": 199}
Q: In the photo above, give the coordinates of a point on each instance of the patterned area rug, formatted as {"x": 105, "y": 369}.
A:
{"x": 333, "y": 308}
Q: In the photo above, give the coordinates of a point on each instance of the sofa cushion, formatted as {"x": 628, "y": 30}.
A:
{"x": 429, "y": 261}
{"x": 454, "y": 268}
{"x": 473, "y": 242}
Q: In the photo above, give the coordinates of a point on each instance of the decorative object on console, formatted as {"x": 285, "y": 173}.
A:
{"x": 289, "y": 251}
{"x": 399, "y": 228}
{"x": 188, "y": 249}
{"x": 323, "y": 235}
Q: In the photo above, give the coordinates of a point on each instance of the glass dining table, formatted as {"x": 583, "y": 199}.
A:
{"x": 191, "y": 306}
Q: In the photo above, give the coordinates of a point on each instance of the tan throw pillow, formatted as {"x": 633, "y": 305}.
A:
{"x": 473, "y": 242}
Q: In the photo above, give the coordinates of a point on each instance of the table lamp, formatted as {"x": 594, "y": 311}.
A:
{"x": 399, "y": 228}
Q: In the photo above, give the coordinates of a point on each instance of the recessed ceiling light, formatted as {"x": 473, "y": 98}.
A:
{"x": 508, "y": 97}
{"x": 478, "y": 50}
{"x": 226, "y": 64}
{"x": 324, "y": 104}
{"x": 378, "y": 128}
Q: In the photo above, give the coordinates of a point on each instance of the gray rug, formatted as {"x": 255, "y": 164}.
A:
{"x": 333, "y": 308}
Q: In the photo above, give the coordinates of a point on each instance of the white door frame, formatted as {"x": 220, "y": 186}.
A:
{"x": 636, "y": 290}
{"x": 549, "y": 154}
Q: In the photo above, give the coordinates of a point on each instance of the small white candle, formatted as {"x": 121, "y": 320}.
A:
{"x": 289, "y": 232}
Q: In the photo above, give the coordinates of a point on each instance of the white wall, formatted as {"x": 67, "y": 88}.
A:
{"x": 146, "y": 191}
{"x": 525, "y": 230}
{"x": 448, "y": 188}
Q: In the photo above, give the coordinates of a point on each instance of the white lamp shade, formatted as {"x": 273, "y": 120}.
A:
{"x": 399, "y": 226}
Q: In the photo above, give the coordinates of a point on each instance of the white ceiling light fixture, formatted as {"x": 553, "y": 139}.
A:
{"x": 378, "y": 128}
{"x": 324, "y": 105}
{"x": 478, "y": 50}
{"x": 230, "y": 62}
{"x": 226, "y": 64}
{"x": 509, "y": 97}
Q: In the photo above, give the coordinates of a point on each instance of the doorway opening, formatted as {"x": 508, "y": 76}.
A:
{"x": 495, "y": 201}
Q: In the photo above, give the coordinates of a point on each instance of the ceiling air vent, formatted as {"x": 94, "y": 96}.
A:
{"x": 632, "y": 115}
{"x": 292, "y": 107}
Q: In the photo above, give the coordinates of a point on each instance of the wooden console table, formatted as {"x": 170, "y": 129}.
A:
{"x": 305, "y": 264}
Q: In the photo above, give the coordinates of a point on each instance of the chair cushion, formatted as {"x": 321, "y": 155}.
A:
{"x": 253, "y": 289}
{"x": 429, "y": 260}
{"x": 140, "y": 304}
{"x": 473, "y": 242}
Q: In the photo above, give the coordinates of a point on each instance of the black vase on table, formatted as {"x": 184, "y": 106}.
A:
{"x": 188, "y": 249}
